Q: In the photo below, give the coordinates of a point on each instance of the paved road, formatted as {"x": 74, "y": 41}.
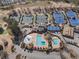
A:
{"x": 43, "y": 55}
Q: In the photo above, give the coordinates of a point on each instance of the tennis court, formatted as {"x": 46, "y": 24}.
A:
{"x": 53, "y": 28}
{"x": 70, "y": 14}
{"x": 27, "y": 19}
{"x": 41, "y": 18}
{"x": 74, "y": 22}
{"x": 59, "y": 17}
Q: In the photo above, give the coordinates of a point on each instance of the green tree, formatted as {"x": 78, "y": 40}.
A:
{"x": 1, "y": 30}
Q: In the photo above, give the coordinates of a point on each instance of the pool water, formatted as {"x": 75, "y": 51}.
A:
{"x": 40, "y": 41}
{"x": 56, "y": 42}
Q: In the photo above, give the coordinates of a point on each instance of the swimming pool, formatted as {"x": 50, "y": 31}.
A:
{"x": 40, "y": 41}
{"x": 56, "y": 42}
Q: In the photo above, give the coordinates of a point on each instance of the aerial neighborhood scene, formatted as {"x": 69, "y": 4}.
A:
{"x": 39, "y": 29}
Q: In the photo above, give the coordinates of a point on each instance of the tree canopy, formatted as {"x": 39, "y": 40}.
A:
{"x": 1, "y": 30}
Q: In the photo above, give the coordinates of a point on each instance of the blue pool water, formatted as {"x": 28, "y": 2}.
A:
{"x": 56, "y": 41}
{"x": 40, "y": 41}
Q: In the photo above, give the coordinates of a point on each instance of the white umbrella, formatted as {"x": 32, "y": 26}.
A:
{"x": 28, "y": 39}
